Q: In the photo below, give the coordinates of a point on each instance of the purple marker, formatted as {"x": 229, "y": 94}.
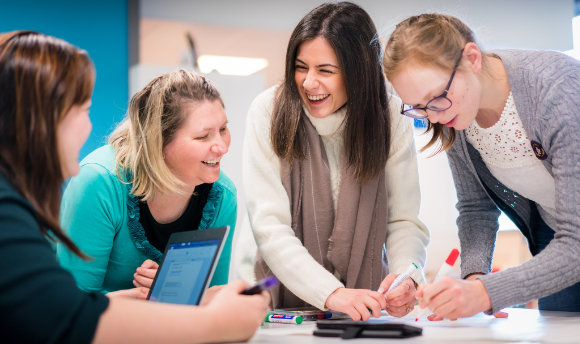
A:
{"x": 265, "y": 284}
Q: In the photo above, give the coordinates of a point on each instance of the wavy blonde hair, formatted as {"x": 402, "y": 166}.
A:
{"x": 155, "y": 114}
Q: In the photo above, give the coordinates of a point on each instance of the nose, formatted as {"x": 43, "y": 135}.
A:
{"x": 434, "y": 116}
{"x": 310, "y": 81}
{"x": 220, "y": 146}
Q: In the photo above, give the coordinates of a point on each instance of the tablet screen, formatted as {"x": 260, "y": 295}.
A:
{"x": 184, "y": 272}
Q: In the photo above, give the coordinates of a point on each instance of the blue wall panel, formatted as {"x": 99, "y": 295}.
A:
{"x": 101, "y": 28}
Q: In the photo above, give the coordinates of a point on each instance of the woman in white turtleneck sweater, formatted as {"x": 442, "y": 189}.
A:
{"x": 322, "y": 212}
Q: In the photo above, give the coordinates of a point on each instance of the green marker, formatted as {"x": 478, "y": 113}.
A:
{"x": 284, "y": 319}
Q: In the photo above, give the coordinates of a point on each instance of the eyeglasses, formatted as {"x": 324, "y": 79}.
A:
{"x": 439, "y": 103}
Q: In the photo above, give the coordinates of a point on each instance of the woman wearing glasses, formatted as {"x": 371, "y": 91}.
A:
{"x": 509, "y": 123}
{"x": 331, "y": 173}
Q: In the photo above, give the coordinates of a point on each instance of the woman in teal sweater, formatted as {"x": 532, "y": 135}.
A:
{"x": 160, "y": 174}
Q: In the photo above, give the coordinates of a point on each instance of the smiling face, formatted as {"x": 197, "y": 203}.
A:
{"x": 195, "y": 152}
{"x": 417, "y": 84}
{"x": 319, "y": 78}
{"x": 72, "y": 132}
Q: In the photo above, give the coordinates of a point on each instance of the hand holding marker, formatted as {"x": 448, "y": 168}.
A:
{"x": 443, "y": 271}
{"x": 401, "y": 278}
{"x": 447, "y": 266}
{"x": 265, "y": 284}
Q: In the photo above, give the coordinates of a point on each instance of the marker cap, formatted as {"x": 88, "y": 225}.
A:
{"x": 452, "y": 257}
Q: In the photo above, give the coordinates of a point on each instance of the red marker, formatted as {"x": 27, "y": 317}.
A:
{"x": 447, "y": 266}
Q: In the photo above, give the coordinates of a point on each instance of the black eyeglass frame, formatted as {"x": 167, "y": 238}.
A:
{"x": 412, "y": 111}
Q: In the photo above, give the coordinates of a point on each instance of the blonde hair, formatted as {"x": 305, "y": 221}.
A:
{"x": 429, "y": 40}
{"x": 155, "y": 114}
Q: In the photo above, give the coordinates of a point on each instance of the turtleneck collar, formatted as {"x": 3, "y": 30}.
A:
{"x": 329, "y": 125}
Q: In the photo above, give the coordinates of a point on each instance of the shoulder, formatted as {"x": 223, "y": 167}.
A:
{"x": 401, "y": 126}
{"x": 10, "y": 198}
{"x": 261, "y": 108}
{"x": 97, "y": 175}
{"x": 101, "y": 161}
{"x": 265, "y": 98}
{"x": 17, "y": 216}
{"x": 538, "y": 69}
{"x": 224, "y": 182}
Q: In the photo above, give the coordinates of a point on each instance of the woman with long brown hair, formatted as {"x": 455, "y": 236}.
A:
{"x": 331, "y": 175}
{"x": 46, "y": 88}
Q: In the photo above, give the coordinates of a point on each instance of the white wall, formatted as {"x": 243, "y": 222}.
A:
{"x": 539, "y": 24}
{"x": 529, "y": 24}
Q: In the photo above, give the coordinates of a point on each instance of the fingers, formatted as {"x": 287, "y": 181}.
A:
{"x": 434, "y": 317}
{"x": 402, "y": 294}
{"x": 452, "y": 298}
{"x": 386, "y": 283}
{"x": 401, "y": 300}
{"x": 144, "y": 275}
{"x": 402, "y": 310}
{"x": 357, "y": 303}
{"x": 237, "y": 286}
{"x": 501, "y": 315}
{"x": 142, "y": 293}
{"x": 363, "y": 311}
{"x": 149, "y": 264}
{"x": 142, "y": 281}
{"x": 429, "y": 291}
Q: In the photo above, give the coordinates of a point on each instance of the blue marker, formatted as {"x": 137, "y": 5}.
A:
{"x": 265, "y": 284}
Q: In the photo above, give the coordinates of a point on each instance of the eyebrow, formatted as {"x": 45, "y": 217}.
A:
{"x": 223, "y": 124}
{"x": 321, "y": 65}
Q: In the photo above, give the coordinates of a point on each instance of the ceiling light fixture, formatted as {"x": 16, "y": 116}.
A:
{"x": 231, "y": 65}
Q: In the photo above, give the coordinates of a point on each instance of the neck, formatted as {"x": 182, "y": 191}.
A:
{"x": 167, "y": 208}
{"x": 495, "y": 90}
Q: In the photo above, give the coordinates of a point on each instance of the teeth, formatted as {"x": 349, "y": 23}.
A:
{"x": 318, "y": 97}
{"x": 211, "y": 162}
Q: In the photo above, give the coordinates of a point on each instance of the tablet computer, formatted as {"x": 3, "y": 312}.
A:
{"x": 188, "y": 265}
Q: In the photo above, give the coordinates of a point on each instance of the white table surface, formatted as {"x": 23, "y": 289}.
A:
{"x": 522, "y": 326}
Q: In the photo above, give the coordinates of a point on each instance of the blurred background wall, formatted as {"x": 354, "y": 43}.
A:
{"x": 132, "y": 41}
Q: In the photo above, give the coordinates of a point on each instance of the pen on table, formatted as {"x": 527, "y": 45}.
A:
{"x": 264, "y": 284}
{"x": 284, "y": 319}
{"x": 401, "y": 278}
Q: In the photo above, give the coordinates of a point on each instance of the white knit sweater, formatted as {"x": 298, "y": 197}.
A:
{"x": 268, "y": 205}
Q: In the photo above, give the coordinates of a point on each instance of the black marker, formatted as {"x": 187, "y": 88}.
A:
{"x": 265, "y": 284}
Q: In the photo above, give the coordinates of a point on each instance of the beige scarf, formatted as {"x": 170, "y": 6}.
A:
{"x": 349, "y": 242}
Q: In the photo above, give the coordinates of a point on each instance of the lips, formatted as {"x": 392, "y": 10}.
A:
{"x": 451, "y": 122}
{"x": 212, "y": 162}
{"x": 317, "y": 99}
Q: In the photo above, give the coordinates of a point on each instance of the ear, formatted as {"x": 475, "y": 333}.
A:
{"x": 472, "y": 54}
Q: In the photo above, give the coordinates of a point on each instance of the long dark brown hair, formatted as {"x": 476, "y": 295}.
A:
{"x": 41, "y": 78}
{"x": 351, "y": 33}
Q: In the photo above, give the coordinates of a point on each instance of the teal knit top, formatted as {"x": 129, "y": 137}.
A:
{"x": 101, "y": 216}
